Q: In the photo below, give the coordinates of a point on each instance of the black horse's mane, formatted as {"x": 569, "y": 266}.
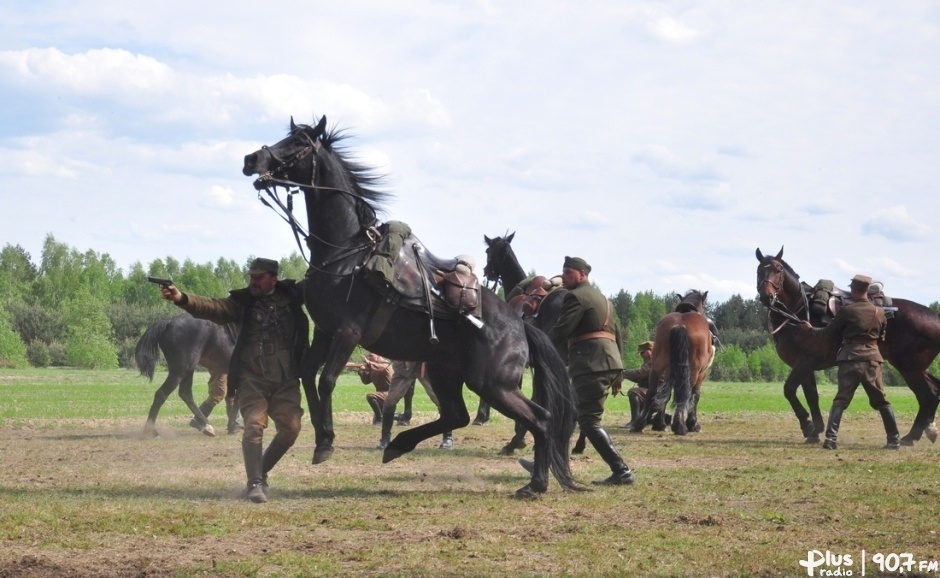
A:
{"x": 367, "y": 182}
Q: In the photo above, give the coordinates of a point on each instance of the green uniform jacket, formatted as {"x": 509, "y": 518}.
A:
{"x": 861, "y": 327}
{"x": 237, "y": 307}
{"x": 584, "y": 310}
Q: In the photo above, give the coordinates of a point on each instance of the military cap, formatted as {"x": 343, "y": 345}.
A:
{"x": 861, "y": 280}
{"x": 577, "y": 263}
{"x": 645, "y": 346}
{"x": 261, "y": 265}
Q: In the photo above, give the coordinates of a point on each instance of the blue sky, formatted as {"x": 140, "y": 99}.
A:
{"x": 661, "y": 141}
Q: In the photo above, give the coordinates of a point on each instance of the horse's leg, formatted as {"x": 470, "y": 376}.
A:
{"x": 400, "y": 387}
{"x": 646, "y": 408}
{"x": 925, "y": 392}
{"x": 802, "y": 374}
{"x": 483, "y": 413}
{"x": 159, "y": 398}
{"x": 452, "y": 413}
{"x": 186, "y": 394}
{"x": 312, "y": 362}
{"x": 518, "y": 439}
{"x": 342, "y": 346}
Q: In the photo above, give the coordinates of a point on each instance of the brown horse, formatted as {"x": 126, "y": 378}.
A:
{"x": 683, "y": 352}
{"x": 912, "y": 342}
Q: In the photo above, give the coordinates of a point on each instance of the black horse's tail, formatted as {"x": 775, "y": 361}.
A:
{"x": 551, "y": 389}
{"x": 680, "y": 380}
{"x": 146, "y": 353}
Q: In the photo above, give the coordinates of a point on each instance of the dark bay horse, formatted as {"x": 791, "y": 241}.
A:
{"x": 911, "y": 343}
{"x": 503, "y": 268}
{"x": 186, "y": 342}
{"x": 341, "y": 198}
{"x": 682, "y": 355}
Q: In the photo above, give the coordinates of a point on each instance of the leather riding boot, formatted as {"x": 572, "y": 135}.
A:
{"x": 891, "y": 428}
{"x": 377, "y": 412}
{"x": 254, "y": 471}
{"x": 634, "y": 408}
{"x": 231, "y": 411}
{"x": 621, "y": 474}
{"x": 832, "y": 428}
{"x": 387, "y": 418}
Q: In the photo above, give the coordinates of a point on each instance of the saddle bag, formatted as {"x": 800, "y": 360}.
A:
{"x": 379, "y": 269}
{"x": 460, "y": 290}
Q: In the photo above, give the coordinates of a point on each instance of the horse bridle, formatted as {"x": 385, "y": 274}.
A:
{"x": 775, "y": 305}
{"x": 270, "y": 180}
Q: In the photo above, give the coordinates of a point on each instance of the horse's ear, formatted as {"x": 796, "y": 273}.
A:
{"x": 510, "y": 236}
{"x": 780, "y": 254}
{"x": 321, "y": 126}
{"x": 293, "y": 127}
{"x": 679, "y": 297}
{"x": 487, "y": 240}
{"x": 760, "y": 256}
{"x": 704, "y": 296}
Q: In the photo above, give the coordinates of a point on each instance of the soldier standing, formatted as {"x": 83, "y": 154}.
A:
{"x": 594, "y": 359}
{"x": 265, "y": 366}
{"x": 860, "y": 326}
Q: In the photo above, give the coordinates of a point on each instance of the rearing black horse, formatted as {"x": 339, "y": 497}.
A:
{"x": 340, "y": 198}
{"x": 912, "y": 341}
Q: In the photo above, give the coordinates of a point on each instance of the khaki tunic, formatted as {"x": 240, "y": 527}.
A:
{"x": 593, "y": 364}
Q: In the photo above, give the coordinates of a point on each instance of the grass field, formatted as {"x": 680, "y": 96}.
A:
{"x": 84, "y": 494}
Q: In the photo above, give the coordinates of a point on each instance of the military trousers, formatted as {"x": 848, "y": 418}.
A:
{"x": 218, "y": 387}
{"x": 591, "y": 391}
{"x": 260, "y": 398}
{"x": 865, "y": 373}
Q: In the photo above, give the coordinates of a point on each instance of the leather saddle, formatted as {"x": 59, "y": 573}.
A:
{"x": 418, "y": 278}
{"x": 828, "y": 304}
{"x": 527, "y": 303}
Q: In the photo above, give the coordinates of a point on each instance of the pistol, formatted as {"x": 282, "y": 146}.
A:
{"x": 160, "y": 282}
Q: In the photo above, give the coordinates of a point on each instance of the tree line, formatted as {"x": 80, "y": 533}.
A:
{"x": 79, "y": 309}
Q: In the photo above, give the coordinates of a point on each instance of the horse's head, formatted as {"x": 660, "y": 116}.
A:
{"x": 771, "y": 275}
{"x": 290, "y": 159}
{"x": 496, "y": 252}
{"x": 692, "y": 302}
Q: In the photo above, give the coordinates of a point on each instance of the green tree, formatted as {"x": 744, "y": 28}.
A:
{"x": 12, "y": 348}
{"x": 17, "y": 274}
{"x": 90, "y": 342}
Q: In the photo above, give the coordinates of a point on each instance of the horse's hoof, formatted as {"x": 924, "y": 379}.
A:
{"x": 696, "y": 428}
{"x": 809, "y": 440}
{"x": 906, "y": 441}
{"x": 527, "y": 493}
{"x": 931, "y": 432}
{"x": 320, "y": 455}
{"x": 208, "y": 431}
{"x": 391, "y": 454}
{"x": 507, "y": 450}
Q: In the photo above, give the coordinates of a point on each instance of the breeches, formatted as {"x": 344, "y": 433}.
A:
{"x": 379, "y": 395}
{"x": 218, "y": 386}
{"x": 591, "y": 390}
{"x": 399, "y": 387}
{"x": 639, "y": 392}
{"x": 864, "y": 373}
{"x": 259, "y": 398}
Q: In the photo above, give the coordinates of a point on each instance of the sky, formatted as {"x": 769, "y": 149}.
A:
{"x": 663, "y": 142}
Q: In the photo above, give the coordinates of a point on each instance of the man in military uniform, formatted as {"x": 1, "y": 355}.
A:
{"x": 641, "y": 376}
{"x": 588, "y": 323}
{"x": 265, "y": 365}
{"x": 377, "y": 371}
{"x": 860, "y": 326}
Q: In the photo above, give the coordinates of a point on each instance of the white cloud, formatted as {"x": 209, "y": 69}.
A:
{"x": 896, "y": 224}
{"x": 669, "y": 29}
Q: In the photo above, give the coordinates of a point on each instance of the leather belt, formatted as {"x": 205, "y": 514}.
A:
{"x": 592, "y": 335}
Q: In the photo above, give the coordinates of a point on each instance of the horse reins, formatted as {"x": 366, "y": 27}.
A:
{"x": 269, "y": 182}
{"x": 782, "y": 309}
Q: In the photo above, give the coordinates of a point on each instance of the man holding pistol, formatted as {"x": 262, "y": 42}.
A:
{"x": 265, "y": 366}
